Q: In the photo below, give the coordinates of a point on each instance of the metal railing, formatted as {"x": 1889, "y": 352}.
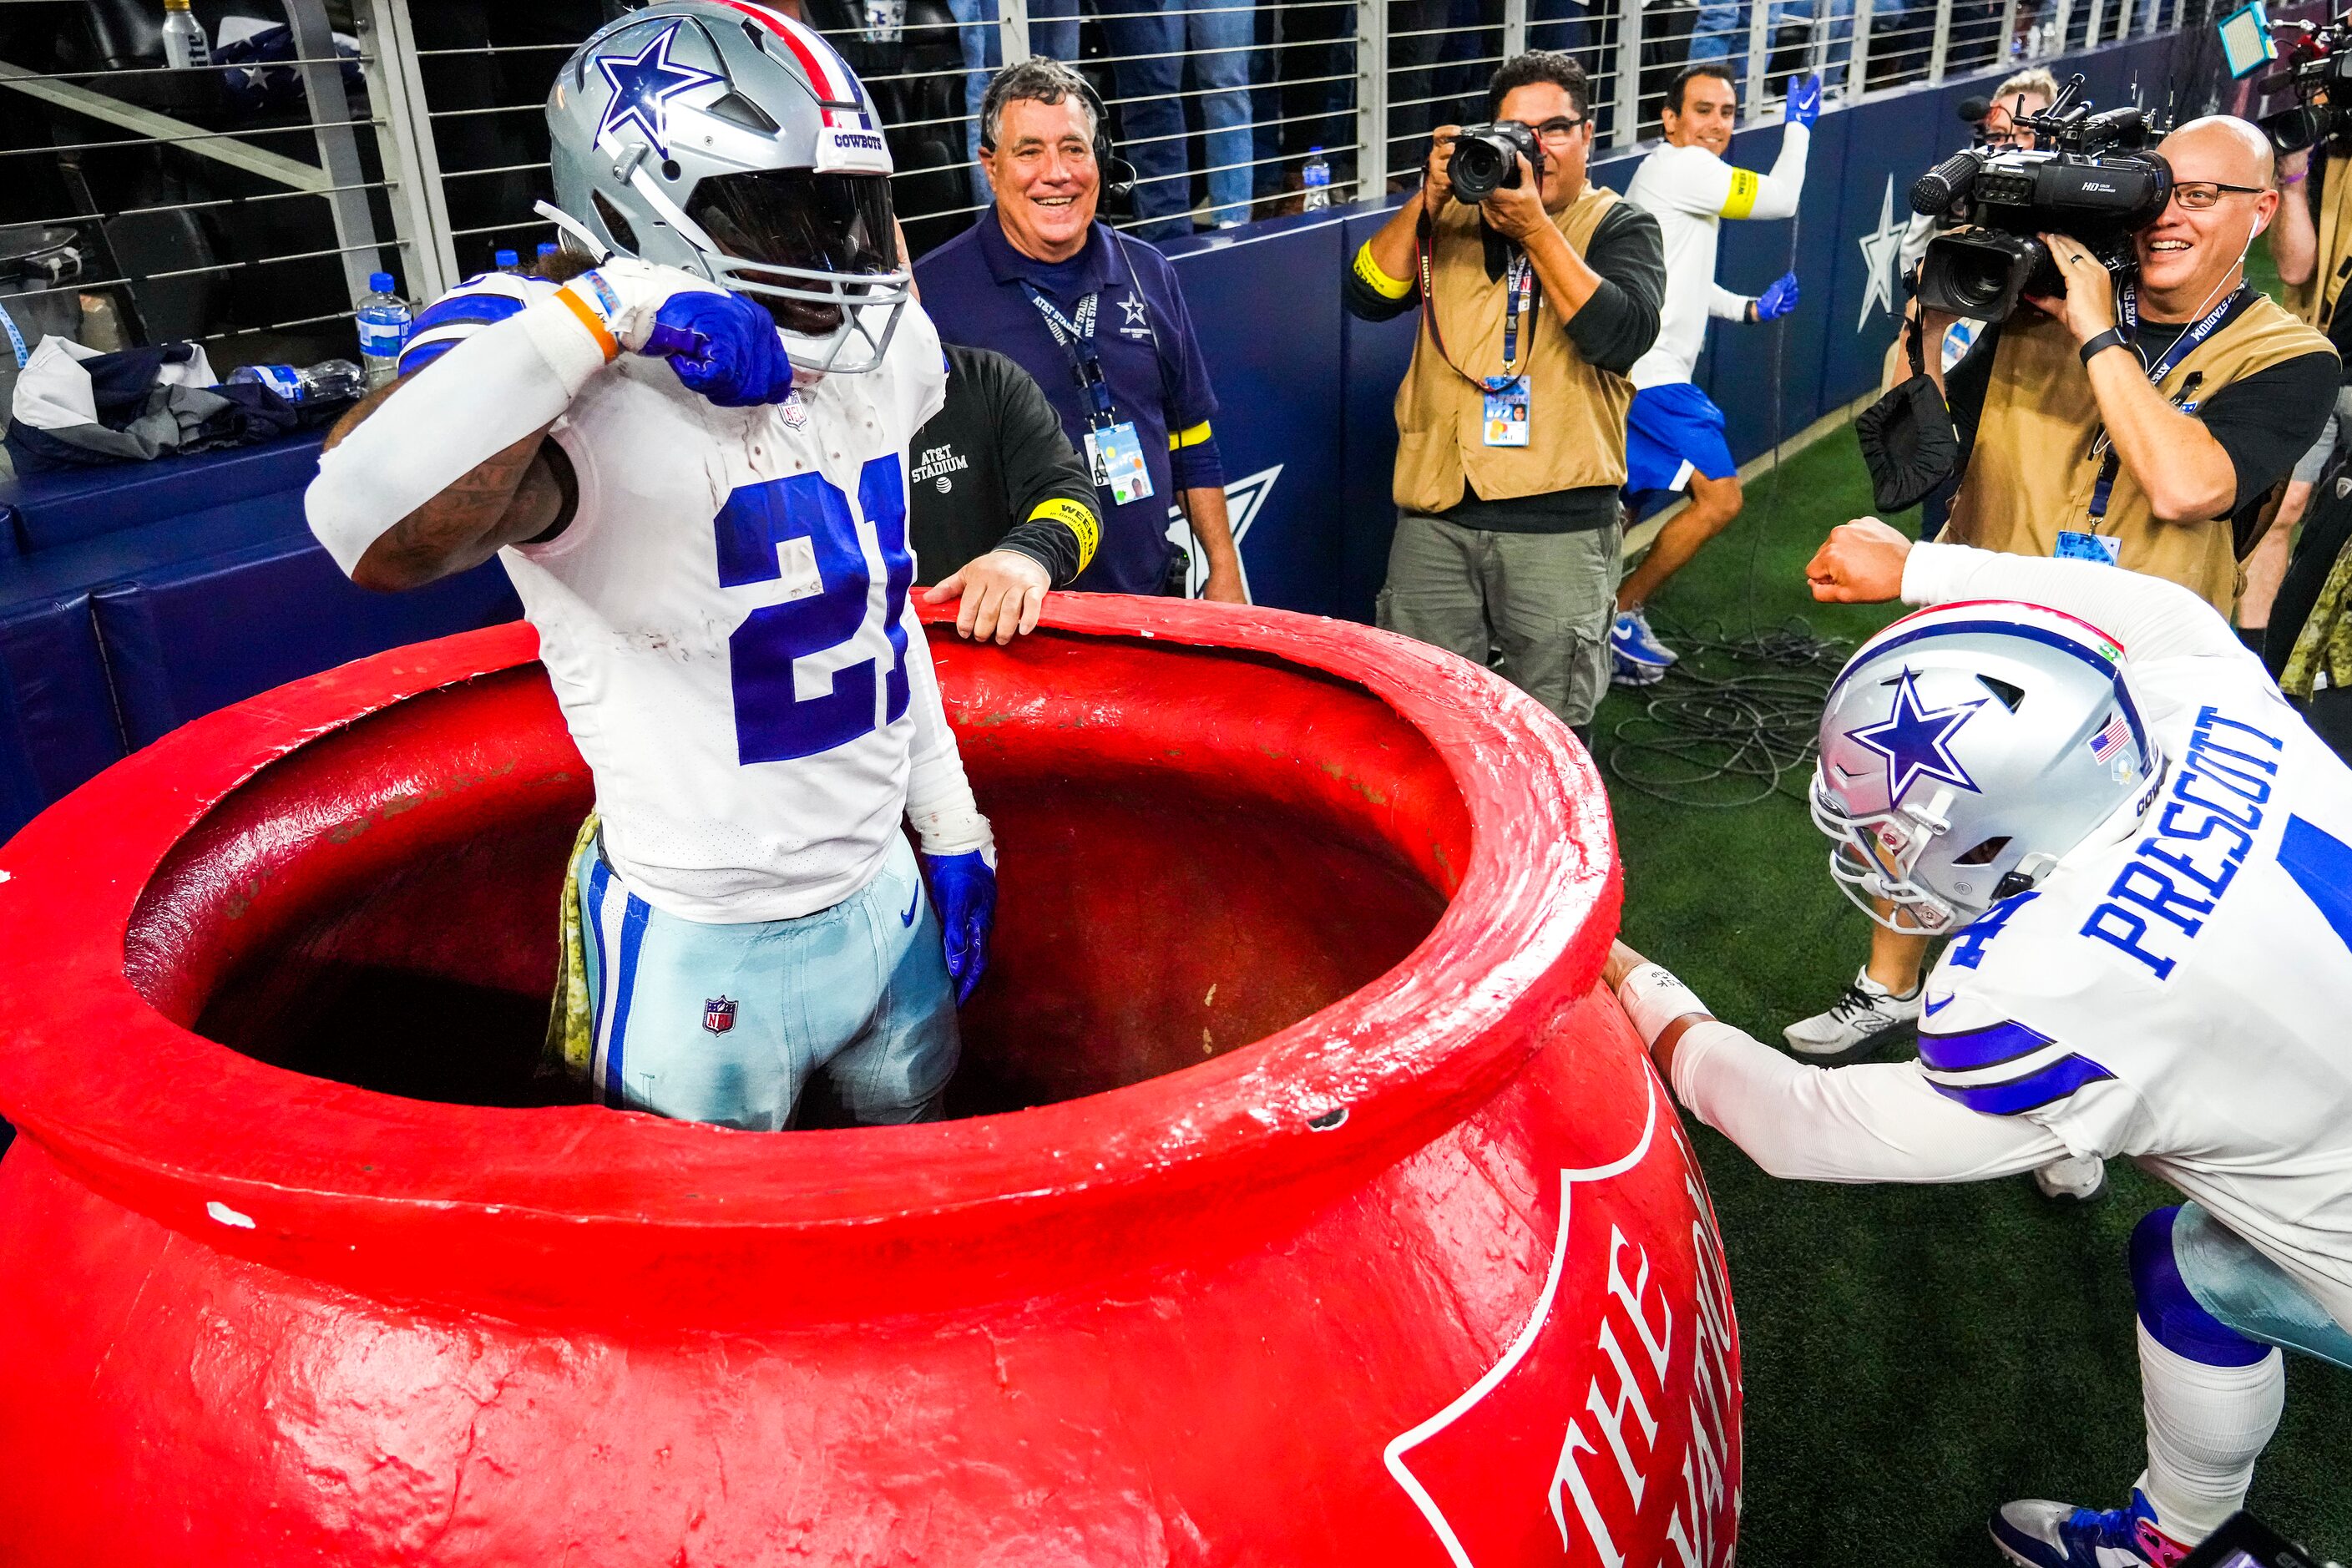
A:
{"x": 246, "y": 204}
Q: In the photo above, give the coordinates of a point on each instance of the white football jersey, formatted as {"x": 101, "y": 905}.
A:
{"x": 2182, "y": 993}
{"x": 1690, "y": 191}
{"x": 726, "y": 620}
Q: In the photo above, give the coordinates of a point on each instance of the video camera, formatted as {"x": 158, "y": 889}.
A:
{"x": 1487, "y": 159}
{"x": 2092, "y": 176}
{"x": 2319, "y": 66}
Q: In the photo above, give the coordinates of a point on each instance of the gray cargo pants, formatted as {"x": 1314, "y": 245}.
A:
{"x": 1544, "y": 601}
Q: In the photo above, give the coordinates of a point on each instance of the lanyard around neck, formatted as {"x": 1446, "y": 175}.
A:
{"x": 1075, "y": 338}
{"x": 2204, "y": 327}
{"x": 1522, "y": 294}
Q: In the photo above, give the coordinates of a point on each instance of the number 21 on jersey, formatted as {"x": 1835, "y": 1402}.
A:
{"x": 774, "y": 723}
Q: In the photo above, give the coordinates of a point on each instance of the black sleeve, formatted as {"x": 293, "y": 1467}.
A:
{"x": 1619, "y": 322}
{"x": 1040, "y": 466}
{"x": 1366, "y": 303}
{"x": 2270, "y": 419}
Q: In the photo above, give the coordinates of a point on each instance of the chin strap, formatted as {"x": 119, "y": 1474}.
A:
{"x": 596, "y": 248}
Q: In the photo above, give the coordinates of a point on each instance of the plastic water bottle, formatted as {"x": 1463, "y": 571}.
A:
{"x": 547, "y": 249}
{"x": 1317, "y": 178}
{"x": 508, "y": 261}
{"x": 384, "y": 320}
{"x": 329, "y": 381}
{"x": 184, "y": 43}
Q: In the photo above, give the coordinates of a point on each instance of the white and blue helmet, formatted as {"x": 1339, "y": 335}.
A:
{"x": 1965, "y": 749}
{"x": 729, "y": 141}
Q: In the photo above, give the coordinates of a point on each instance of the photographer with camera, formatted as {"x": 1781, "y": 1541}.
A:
{"x": 1537, "y": 291}
{"x": 2124, "y": 424}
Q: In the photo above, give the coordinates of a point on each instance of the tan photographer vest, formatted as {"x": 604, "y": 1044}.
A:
{"x": 2316, "y": 302}
{"x": 2031, "y": 470}
{"x": 1576, "y": 434}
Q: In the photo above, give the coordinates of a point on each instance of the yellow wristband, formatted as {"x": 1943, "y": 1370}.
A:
{"x": 1378, "y": 282}
{"x": 1073, "y": 517}
{"x": 1742, "y": 199}
{"x": 1192, "y": 437}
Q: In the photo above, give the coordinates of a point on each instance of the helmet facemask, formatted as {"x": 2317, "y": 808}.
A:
{"x": 818, "y": 250}
{"x": 1871, "y": 859}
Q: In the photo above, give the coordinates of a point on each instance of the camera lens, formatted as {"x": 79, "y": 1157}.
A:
{"x": 1477, "y": 169}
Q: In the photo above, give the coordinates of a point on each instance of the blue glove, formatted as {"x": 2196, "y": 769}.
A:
{"x": 1805, "y": 101}
{"x": 723, "y": 346}
{"x": 965, "y": 886}
{"x": 1780, "y": 298}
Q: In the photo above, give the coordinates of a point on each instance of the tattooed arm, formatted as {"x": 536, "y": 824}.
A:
{"x": 517, "y": 496}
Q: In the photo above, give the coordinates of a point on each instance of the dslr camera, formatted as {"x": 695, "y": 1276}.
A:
{"x": 2319, "y": 69}
{"x": 2092, "y": 176}
{"x": 1486, "y": 160}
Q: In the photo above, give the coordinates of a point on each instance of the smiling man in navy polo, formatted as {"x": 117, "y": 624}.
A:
{"x": 1098, "y": 319}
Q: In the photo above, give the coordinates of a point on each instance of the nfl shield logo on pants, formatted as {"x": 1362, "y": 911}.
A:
{"x": 718, "y": 1015}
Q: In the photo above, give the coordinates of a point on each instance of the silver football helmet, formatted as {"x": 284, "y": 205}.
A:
{"x": 729, "y": 141}
{"x": 1965, "y": 749}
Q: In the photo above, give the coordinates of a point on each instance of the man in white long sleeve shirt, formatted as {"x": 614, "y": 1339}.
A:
{"x": 2146, "y": 858}
{"x": 1674, "y": 435}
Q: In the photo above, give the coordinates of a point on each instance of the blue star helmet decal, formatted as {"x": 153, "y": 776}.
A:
{"x": 643, "y": 86}
{"x": 1916, "y": 742}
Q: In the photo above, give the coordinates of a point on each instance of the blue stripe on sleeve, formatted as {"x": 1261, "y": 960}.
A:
{"x": 632, "y": 938}
{"x": 2321, "y": 865}
{"x": 2035, "y": 1089}
{"x": 592, "y": 917}
{"x": 1968, "y": 1049}
{"x": 416, "y": 356}
{"x": 480, "y": 309}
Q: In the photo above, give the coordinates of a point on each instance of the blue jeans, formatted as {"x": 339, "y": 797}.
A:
{"x": 1720, "y": 33}
{"x": 978, "y": 30}
{"x": 727, "y": 1023}
{"x": 1220, "y": 34}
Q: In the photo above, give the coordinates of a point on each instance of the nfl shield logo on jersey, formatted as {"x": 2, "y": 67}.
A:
{"x": 718, "y": 1015}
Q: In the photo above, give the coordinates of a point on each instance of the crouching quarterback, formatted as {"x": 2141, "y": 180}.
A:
{"x": 691, "y": 459}
{"x": 2145, "y": 858}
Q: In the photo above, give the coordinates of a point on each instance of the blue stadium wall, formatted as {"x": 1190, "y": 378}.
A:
{"x": 1309, "y": 390}
{"x": 137, "y": 599}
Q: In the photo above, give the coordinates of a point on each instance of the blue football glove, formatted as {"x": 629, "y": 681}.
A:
{"x": 1780, "y": 298}
{"x": 723, "y": 346}
{"x": 1805, "y": 101}
{"x": 965, "y": 888}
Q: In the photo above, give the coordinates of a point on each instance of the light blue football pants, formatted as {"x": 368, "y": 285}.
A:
{"x": 728, "y": 1022}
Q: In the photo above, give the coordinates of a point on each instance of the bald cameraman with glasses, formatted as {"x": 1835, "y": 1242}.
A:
{"x": 1537, "y": 291}
{"x": 2140, "y": 426}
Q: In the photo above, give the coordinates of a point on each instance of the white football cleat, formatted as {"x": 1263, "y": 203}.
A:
{"x": 1866, "y": 1017}
{"x": 2077, "y": 1178}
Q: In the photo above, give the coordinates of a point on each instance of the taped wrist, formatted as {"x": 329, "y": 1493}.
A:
{"x": 939, "y": 804}
{"x": 497, "y": 387}
{"x": 1653, "y": 998}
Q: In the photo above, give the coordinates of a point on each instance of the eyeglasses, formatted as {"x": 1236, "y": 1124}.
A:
{"x": 1558, "y": 129}
{"x": 2199, "y": 196}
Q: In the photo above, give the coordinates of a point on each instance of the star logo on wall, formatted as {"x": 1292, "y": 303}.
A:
{"x": 1880, "y": 249}
{"x": 1244, "y": 499}
{"x": 1917, "y": 741}
{"x": 643, "y": 87}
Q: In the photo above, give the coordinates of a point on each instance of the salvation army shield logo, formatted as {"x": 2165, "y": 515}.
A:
{"x": 718, "y": 1015}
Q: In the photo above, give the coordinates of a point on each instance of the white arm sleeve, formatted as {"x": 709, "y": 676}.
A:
{"x": 1725, "y": 305}
{"x": 474, "y": 401}
{"x": 938, "y": 797}
{"x": 2151, "y": 617}
{"x": 1777, "y": 193}
{"x": 1880, "y": 1121}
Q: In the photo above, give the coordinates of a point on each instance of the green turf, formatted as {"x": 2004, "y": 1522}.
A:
{"x": 1912, "y": 1357}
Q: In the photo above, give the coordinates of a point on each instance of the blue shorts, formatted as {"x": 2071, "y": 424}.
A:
{"x": 2232, "y": 1279}
{"x": 1671, "y": 432}
{"x": 727, "y": 1023}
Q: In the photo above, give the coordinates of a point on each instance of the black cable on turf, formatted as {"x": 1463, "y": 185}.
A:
{"x": 1736, "y": 715}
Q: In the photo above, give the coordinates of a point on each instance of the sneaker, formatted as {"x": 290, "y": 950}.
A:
{"x": 1857, "y": 1023}
{"x": 1632, "y": 640}
{"x": 1624, "y": 671}
{"x": 2059, "y": 1535}
{"x": 2077, "y": 1178}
